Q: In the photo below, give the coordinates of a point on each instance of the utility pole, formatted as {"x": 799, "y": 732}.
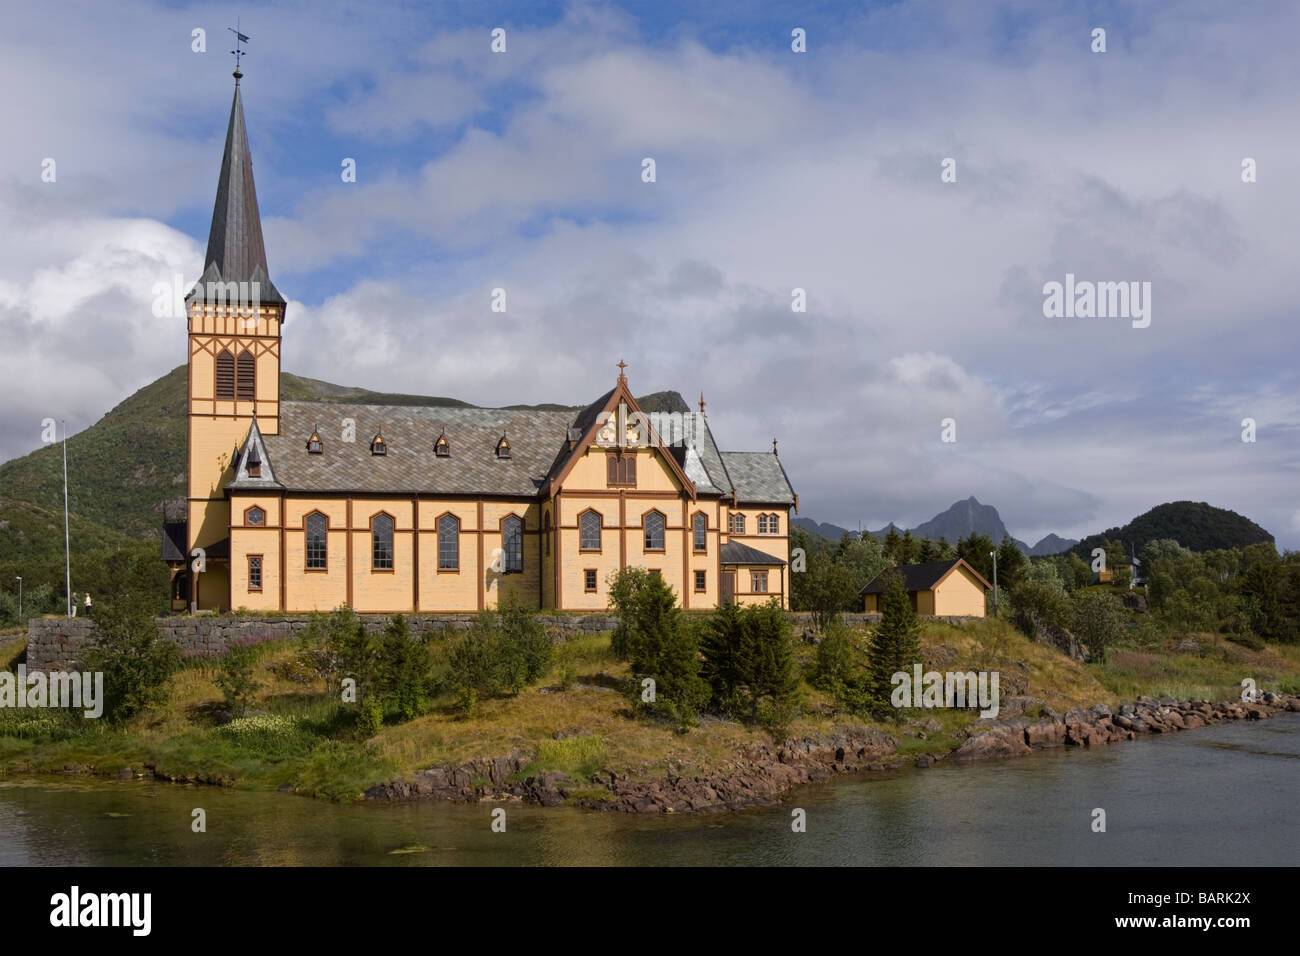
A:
{"x": 994, "y": 556}
{"x": 67, "y": 546}
{"x": 20, "y": 597}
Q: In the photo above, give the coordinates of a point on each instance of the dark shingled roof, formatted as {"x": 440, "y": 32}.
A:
{"x": 236, "y": 252}
{"x": 173, "y": 541}
{"x": 918, "y": 577}
{"x": 758, "y": 477}
{"x": 410, "y": 466}
{"x": 733, "y": 552}
{"x": 538, "y": 449}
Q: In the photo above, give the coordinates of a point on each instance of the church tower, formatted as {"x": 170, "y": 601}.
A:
{"x": 234, "y": 314}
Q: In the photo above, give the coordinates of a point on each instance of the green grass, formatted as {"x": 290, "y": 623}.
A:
{"x": 296, "y": 735}
{"x": 1212, "y": 670}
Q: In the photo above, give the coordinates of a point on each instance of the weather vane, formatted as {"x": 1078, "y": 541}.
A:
{"x": 238, "y": 51}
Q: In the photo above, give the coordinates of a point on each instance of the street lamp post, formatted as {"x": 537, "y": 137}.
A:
{"x": 20, "y": 597}
{"x": 994, "y": 556}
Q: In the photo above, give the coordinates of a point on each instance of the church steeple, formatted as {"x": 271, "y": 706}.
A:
{"x": 236, "y": 252}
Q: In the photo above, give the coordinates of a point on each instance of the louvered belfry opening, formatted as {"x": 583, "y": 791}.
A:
{"x": 247, "y": 376}
{"x": 225, "y": 374}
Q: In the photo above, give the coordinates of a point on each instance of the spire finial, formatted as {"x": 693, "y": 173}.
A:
{"x": 774, "y": 444}
{"x": 621, "y": 365}
{"x": 702, "y": 412}
{"x": 238, "y": 51}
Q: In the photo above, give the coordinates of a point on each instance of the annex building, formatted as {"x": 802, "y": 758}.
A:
{"x": 300, "y": 506}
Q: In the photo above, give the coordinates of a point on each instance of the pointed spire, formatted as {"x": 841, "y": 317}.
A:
{"x": 236, "y": 252}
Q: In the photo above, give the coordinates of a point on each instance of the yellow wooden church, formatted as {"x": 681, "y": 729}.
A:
{"x": 299, "y": 506}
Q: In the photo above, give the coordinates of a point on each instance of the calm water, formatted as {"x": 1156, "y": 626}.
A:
{"x": 1222, "y": 795}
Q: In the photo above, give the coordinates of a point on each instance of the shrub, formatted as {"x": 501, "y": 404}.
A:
{"x": 235, "y": 677}
{"x": 1039, "y": 605}
{"x": 403, "y": 669}
{"x": 749, "y": 663}
{"x": 370, "y": 718}
{"x": 834, "y": 668}
{"x": 659, "y": 644}
{"x": 1098, "y": 622}
{"x": 136, "y": 661}
{"x": 525, "y": 648}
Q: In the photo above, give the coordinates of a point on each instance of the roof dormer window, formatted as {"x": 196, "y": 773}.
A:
{"x": 377, "y": 445}
{"x": 503, "y": 448}
{"x": 441, "y": 448}
{"x": 314, "y": 444}
{"x": 254, "y": 463}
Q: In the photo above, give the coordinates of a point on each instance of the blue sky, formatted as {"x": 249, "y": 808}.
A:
{"x": 776, "y": 170}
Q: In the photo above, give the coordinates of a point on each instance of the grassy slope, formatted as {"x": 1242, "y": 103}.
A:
{"x": 598, "y": 732}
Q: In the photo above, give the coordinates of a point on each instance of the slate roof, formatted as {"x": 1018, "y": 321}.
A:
{"x": 733, "y": 552}
{"x": 410, "y": 466}
{"x": 919, "y": 577}
{"x": 758, "y": 477}
{"x": 173, "y": 541}
{"x": 236, "y": 252}
{"x": 538, "y": 445}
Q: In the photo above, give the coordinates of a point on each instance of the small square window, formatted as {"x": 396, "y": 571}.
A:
{"x": 701, "y": 581}
{"x": 590, "y": 580}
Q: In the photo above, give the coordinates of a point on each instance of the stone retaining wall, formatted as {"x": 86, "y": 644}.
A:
{"x": 55, "y": 643}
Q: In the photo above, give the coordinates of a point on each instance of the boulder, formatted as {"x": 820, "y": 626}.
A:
{"x": 999, "y": 742}
{"x": 1045, "y": 733}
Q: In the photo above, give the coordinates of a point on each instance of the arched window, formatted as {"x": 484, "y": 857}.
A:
{"x": 448, "y": 543}
{"x": 589, "y": 531}
{"x": 762, "y": 524}
{"x": 512, "y": 543}
{"x": 317, "y": 550}
{"x": 654, "y": 531}
{"x": 701, "y": 531}
{"x": 736, "y": 523}
{"x": 773, "y": 525}
{"x": 381, "y": 538}
{"x": 247, "y": 376}
{"x": 225, "y": 374}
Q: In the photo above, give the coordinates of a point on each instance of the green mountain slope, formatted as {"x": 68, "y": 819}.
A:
{"x": 1195, "y": 525}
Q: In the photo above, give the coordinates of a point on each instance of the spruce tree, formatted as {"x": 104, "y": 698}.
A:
{"x": 895, "y": 646}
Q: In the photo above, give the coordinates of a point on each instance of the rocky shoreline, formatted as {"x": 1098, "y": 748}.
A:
{"x": 763, "y": 774}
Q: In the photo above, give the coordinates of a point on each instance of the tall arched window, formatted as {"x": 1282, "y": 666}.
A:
{"x": 225, "y": 374}
{"x": 701, "y": 530}
{"x": 317, "y": 549}
{"x": 381, "y": 539}
{"x": 762, "y": 524}
{"x": 448, "y": 543}
{"x": 654, "y": 531}
{"x": 512, "y": 543}
{"x": 589, "y": 531}
{"x": 247, "y": 376}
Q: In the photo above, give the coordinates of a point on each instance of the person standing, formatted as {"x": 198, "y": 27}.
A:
{"x": 87, "y": 604}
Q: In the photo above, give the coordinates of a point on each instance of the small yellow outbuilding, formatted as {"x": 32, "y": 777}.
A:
{"x": 949, "y": 588}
